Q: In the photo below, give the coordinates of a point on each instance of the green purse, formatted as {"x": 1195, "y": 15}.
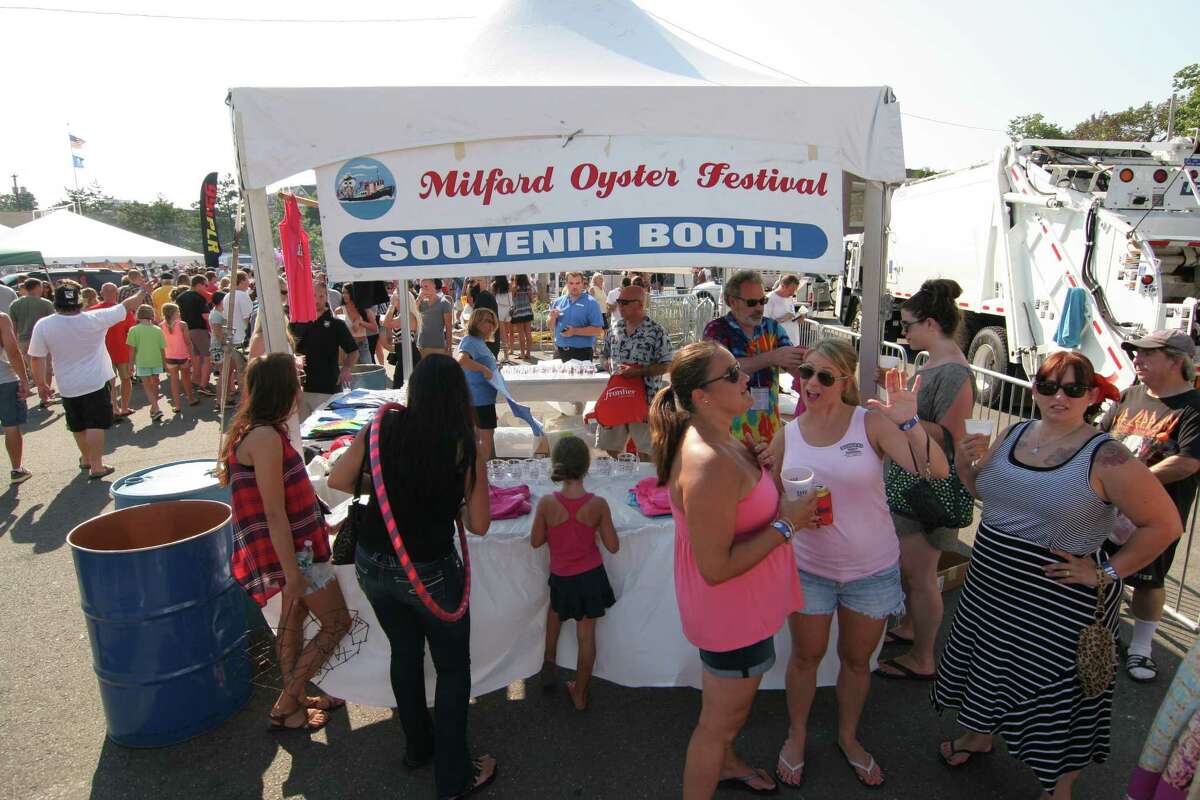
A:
{"x": 934, "y": 502}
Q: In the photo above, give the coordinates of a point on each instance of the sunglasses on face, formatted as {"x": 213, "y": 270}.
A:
{"x": 627, "y": 302}
{"x": 825, "y": 377}
{"x": 1050, "y": 388}
{"x": 762, "y": 301}
{"x": 733, "y": 375}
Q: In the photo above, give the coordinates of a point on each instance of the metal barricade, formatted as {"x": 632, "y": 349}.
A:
{"x": 680, "y": 315}
{"x": 854, "y": 337}
{"x": 1177, "y": 611}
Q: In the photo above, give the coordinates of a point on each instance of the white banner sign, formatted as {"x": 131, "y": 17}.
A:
{"x": 593, "y": 202}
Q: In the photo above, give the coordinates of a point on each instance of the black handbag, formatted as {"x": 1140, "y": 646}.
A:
{"x": 346, "y": 541}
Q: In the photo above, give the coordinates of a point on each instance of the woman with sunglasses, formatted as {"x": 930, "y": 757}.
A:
{"x": 849, "y": 567}
{"x": 735, "y": 580}
{"x": 478, "y": 362}
{"x": 930, "y": 320}
{"x": 1050, "y": 490}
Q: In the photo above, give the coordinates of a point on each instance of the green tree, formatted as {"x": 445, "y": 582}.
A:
{"x": 1186, "y": 84}
{"x": 93, "y": 202}
{"x": 1034, "y": 126}
{"x": 23, "y": 200}
{"x": 162, "y": 221}
{"x": 1144, "y": 123}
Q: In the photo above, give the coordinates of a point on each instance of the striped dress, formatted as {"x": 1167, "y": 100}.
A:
{"x": 1009, "y": 662}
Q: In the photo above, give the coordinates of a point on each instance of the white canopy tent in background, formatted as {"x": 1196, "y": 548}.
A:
{"x": 544, "y": 76}
{"x": 64, "y": 237}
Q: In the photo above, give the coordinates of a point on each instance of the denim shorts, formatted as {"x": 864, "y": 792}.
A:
{"x": 12, "y": 410}
{"x": 877, "y": 596}
{"x": 745, "y": 662}
{"x": 319, "y": 574}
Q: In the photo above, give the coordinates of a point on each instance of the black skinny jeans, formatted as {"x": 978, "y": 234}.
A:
{"x": 408, "y": 624}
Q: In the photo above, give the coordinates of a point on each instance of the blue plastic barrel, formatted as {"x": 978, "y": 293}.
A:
{"x": 165, "y": 618}
{"x": 369, "y": 376}
{"x": 178, "y": 480}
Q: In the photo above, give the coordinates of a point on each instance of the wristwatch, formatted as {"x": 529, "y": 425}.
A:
{"x": 784, "y": 527}
{"x": 912, "y": 423}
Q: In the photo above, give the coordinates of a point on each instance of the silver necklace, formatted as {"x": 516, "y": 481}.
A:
{"x": 1037, "y": 447}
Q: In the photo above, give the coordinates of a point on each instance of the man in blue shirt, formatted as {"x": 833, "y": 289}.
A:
{"x": 577, "y": 320}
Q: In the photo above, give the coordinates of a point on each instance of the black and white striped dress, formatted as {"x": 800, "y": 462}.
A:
{"x": 1009, "y": 663}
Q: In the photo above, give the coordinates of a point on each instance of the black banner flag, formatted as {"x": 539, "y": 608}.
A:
{"x": 208, "y": 221}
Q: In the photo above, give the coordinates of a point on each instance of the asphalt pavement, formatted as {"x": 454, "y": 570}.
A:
{"x": 629, "y": 744}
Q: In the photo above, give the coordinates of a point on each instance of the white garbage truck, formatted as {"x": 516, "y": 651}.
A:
{"x": 1107, "y": 230}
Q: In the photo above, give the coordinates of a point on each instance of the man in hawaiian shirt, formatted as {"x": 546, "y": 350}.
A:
{"x": 639, "y": 348}
{"x": 761, "y": 348}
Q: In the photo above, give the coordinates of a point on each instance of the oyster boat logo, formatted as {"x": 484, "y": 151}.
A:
{"x": 365, "y": 188}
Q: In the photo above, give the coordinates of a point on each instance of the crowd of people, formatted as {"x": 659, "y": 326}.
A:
{"x": 1074, "y": 504}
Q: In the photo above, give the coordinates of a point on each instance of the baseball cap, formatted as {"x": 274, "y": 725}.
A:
{"x": 1176, "y": 340}
{"x": 67, "y": 297}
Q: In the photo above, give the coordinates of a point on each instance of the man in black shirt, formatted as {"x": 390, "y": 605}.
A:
{"x": 193, "y": 310}
{"x": 1158, "y": 419}
{"x": 329, "y": 352}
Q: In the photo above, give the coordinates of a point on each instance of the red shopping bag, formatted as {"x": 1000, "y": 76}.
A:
{"x": 623, "y": 401}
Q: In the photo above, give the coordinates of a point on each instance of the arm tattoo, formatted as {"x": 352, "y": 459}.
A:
{"x": 1113, "y": 454}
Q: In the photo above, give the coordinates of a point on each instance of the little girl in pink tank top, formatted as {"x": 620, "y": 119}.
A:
{"x": 570, "y": 520}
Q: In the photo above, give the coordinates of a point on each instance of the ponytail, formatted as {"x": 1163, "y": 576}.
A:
{"x": 668, "y": 423}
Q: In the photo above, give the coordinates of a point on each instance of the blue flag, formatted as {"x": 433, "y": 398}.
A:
{"x": 77, "y": 162}
{"x": 519, "y": 411}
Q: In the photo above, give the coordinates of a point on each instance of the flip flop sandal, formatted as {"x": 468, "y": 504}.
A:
{"x": 278, "y": 726}
{"x": 480, "y": 785}
{"x": 326, "y": 703}
{"x": 782, "y": 765}
{"x": 905, "y": 674}
{"x": 104, "y": 473}
{"x": 868, "y": 768}
{"x": 742, "y": 782}
{"x": 895, "y": 638}
{"x": 156, "y": 416}
{"x": 956, "y": 751}
{"x": 1141, "y": 662}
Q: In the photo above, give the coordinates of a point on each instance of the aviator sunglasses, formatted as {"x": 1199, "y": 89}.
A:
{"x": 733, "y": 375}
{"x": 762, "y": 301}
{"x": 825, "y": 377}
{"x": 1050, "y": 388}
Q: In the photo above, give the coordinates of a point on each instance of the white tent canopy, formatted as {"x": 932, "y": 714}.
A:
{"x": 64, "y": 237}
{"x": 540, "y": 74}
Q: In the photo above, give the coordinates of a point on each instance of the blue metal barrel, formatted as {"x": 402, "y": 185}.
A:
{"x": 165, "y": 618}
{"x": 369, "y": 376}
{"x": 179, "y": 480}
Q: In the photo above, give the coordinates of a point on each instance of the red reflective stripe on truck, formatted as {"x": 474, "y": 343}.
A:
{"x": 999, "y": 310}
{"x": 1045, "y": 229}
{"x": 964, "y": 305}
{"x": 1013, "y": 170}
{"x": 1096, "y": 325}
{"x": 1057, "y": 254}
{"x": 1116, "y": 360}
{"x": 1071, "y": 280}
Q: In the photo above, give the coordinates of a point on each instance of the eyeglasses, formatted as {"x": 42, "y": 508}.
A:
{"x": 762, "y": 301}
{"x": 825, "y": 377}
{"x": 906, "y": 324}
{"x": 1050, "y": 388}
{"x": 627, "y": 302}
{"x": 733, "y": 375}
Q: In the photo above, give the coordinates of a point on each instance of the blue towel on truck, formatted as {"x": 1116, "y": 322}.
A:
{"x": 1073, "y": 319}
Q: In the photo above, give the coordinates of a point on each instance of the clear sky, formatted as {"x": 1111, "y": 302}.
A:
{"x": 147, "y": 95}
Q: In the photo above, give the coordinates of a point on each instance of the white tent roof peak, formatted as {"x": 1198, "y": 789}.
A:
{"x": 64, "y": 237}
{"x": 590, "y": 43}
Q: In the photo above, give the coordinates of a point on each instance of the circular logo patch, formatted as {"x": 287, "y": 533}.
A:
{"x": 365, "y": 188}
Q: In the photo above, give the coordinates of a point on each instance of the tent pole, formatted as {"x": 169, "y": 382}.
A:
{"x": 873, "y": 260}
{"x": 406, "y": 360}
{"x": 266, "y": 277}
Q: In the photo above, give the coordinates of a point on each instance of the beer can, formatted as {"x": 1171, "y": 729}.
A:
{"x": 824, "y": 504}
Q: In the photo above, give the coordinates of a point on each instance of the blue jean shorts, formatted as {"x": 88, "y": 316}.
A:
{"x": 877, "y": 596}
{"x": 12, "y": 410}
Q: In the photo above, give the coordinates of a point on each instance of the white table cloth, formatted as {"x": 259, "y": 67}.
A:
{"x": 639, "y": 642}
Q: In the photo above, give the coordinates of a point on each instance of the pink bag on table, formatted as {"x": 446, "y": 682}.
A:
{"x": 509, "y": 502}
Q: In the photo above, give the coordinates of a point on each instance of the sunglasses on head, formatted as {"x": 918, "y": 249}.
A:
{"x": 733, "y": 375}
{"x": 1050, "y": 388}
{"x": 825, "y": 377}
{"x": 762, "y": 301}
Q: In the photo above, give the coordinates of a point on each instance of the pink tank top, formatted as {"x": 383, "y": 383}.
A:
{"x": 178, "y": 344}
{"x": 573, "y": 547}
{"x": 742, "y": 610}
{"x": 862, "y": 539}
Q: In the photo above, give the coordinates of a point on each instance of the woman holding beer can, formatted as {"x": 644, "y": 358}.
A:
{"x": 849, "y": 566}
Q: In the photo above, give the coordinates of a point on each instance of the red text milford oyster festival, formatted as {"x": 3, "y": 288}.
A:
{"x": 587, "y": 177}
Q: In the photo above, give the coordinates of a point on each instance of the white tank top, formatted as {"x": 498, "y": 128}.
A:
{"x": 862, "y": 539}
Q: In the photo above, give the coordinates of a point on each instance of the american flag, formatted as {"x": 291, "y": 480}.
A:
{"x": 76, "y": 142}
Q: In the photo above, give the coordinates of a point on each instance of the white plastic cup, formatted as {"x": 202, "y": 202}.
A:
{"x": 797, "y": 481}
{"x": 888, "y": 362}
{"x": 980, "y": 427}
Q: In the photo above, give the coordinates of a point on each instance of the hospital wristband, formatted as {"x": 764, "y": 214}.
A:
{"x": 912, "y": 423}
